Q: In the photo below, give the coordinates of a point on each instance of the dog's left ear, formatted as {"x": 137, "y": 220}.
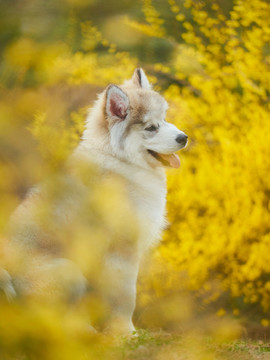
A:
{"x": 117, "y": 103}
{"x": 140, "y": 79}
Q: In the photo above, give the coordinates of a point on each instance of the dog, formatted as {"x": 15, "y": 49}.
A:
{"x": 127, "y": 138}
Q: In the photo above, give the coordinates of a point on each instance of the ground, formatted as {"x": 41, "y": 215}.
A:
{"x": 163, "y": 346}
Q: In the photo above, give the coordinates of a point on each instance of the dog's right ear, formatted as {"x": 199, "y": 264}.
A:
{"x": 117, "y": 103}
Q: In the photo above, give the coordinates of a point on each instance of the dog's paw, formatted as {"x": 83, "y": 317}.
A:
{"x": 120, "y": 326}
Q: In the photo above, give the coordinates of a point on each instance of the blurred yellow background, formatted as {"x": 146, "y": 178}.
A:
{"x": 211, "y": 60}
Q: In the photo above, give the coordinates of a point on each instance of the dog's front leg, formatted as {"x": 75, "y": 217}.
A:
{"x": 118, "y": 283}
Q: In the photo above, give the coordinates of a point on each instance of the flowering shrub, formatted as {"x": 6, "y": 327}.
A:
{"x": 219, "y": 203}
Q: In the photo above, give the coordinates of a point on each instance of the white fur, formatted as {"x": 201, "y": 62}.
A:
{"x": 164, "y": 141}
{"x": 122, "y": 149}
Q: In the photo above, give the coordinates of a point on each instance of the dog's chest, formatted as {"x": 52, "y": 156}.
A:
{"x": 149, "y": 200}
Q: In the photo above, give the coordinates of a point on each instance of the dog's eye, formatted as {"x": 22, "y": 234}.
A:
{"x": 151, "y": 128}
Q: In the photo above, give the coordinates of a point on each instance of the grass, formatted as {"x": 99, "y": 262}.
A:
{"x": 163, "y": 346}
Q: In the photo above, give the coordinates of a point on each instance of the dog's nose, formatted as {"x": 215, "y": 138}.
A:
{"x": 182, "y": 139}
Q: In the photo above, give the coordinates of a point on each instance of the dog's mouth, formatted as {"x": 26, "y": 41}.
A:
{"x": 169, "y": 160}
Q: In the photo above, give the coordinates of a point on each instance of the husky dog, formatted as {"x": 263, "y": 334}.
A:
{"x": 126, "y": 135}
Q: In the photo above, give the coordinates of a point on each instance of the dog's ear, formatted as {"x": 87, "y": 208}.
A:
{"x": 117, "y": 103}
{"x": 139, "y": 79}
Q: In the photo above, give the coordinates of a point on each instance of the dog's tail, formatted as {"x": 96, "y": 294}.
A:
{"x": 6, "y": 285}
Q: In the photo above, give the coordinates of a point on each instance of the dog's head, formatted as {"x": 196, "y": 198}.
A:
{"x": 138, "y": 131}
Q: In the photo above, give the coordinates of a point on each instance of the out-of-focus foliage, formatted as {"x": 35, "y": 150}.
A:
{"x": 211, "y": 59}
{"x": 53, "y": 61}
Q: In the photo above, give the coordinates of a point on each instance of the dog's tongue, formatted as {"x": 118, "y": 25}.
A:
{"x": 172, "y": 159}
